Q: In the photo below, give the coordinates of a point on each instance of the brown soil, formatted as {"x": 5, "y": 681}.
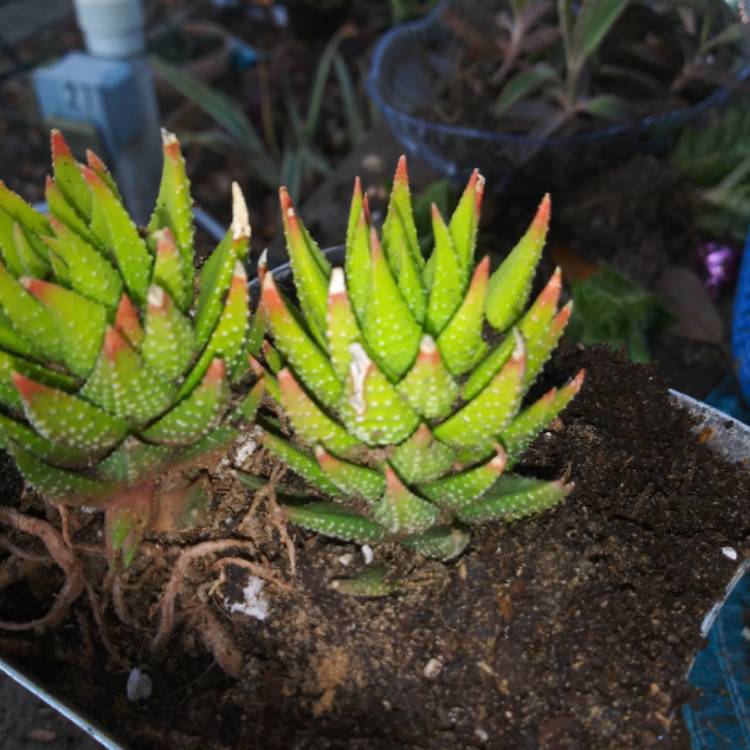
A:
{"x": 570, "y": 630}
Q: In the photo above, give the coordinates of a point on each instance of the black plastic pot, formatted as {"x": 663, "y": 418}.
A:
{"x": 410, "y": 58}
{"x": 732, "y": 440}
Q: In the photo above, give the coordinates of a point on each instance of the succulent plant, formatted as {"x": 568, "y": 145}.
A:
{"x": 402, "y": 381}
{"x": 114, "y": 371}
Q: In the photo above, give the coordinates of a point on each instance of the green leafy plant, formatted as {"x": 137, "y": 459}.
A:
{"x": 610, "y": 309}
{"x": 548, "y": 63}
{"x": 299, "y": 158}
{"x": 715, "y": 156}
{"x": 401, "y": 411}
{"x": 114, "y": 375}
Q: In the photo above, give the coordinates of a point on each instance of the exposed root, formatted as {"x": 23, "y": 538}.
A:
{"x": 63, "y": 555}
{"x": 216, "y": 639}
{"x": 257, "y": 569}
{"x": 268, "y": 492}
{"x": 118, "y": 600}
{"x": 94, "y": 601}
{"x": 175, "y": 585}
{"x": 20, "y": 552}
{"x": 64, "y": 524}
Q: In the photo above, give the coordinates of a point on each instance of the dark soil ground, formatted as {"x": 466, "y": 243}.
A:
{"x": 570, "y": 630}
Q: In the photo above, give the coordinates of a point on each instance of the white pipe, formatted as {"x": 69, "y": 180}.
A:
{"x": 112, "y": 28}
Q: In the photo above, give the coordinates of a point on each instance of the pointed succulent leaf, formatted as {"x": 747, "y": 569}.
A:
{"x": 32, "y": 263}
{"x": 446, "y": 279}
{"x": 169, "y": 271}
{"x": 256, "y": 332}
{"x": 460, "y": 490}
{"x": 89, "y": 272}
{"x": 533, "y": 326}
{"x": 422, "y": 458}
{"x": 61, "y": 210}
{"x": 299, "y": 462}
{"x": 53, "y": 482}
{"x": 515, "y": 497}
{"x": 439, "y": 542}
{"x": 248, "y": 406}
{"x": 388, "y": 327}
{"x": 129, "y": 249}
{"x": 371, "y": 407}
{"x": 12, "y": 431}
{"x": 428, "y": 386}
{"x": 95, "y": 163}
{"x": 350, "y": 478}
{"x": 522, "y": 431}
{"x": 35, "y": 224}
{"x": 487, "y": 414}
{"x": 174, "y": 207}
{"x": 196, "y": 415}
{"x": 123, "y": 385}
{"x": 546, "y": 343}
{"x": 9, "y": 363}
{"x": 460, "y": 342}
{"x": 272, "y": 357}
{"x": 30, "y": 318}
{"x": 357, "y": 264}
{"x": 80, "y": 322}
{"x": 400, "y": 511}
{"x": 8, "y": 247}
{"x": 228, "y": 338}
{"x": 355, "y": 209}
{"x": 66, "y": 419}
{"x": 371, "y": 582}
{"x": 465, "y": 221}
{"x": 310, "y": 278}
{"x": 309, "y": 421}
{"x": 333, "y": 521}
{"x": 343, "y": 330}
{"x": 401, "y": 246}
{"x": 169, "y": 340}
{"x": 132, "y": 460}
{"x": 216, "y": 275}
{"x": 125, "y": 522}
{"x": 260, "y": 372}
{"x": 12, "y": 341}
{"x": 310, "y": 363}
{"x": 510, "y": 285}
{"x": 68, "y": 176}
{"x": 128, "y": 323}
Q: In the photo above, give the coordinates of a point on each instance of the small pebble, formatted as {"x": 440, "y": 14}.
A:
{"x": 729, "y": 552}
{"x": 41, "y": 735}
{"x": 346, "y": 559}
{"x": 433, "y": 668}
{"x": 139, "y": 686}
{"x": 367, "y": 554}
{"x": 481, "y": 735}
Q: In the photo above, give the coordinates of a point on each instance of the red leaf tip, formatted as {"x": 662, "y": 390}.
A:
{"x": 60, "y": 148}
{"x": 26, "y": 387}
{"x": 402, "y": 174}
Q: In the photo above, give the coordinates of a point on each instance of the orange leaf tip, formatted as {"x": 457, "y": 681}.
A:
{"x": 60, "y": 148}
{"x": 114, "y": 343}
{"x": 95, "y": 162}
{"x": 240, "y": 216}
{"x": 26, "y": 387}
{"x": 541, "y": 220}
{"x": 402, "y": 174}
{"x": 216, "y": 371}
